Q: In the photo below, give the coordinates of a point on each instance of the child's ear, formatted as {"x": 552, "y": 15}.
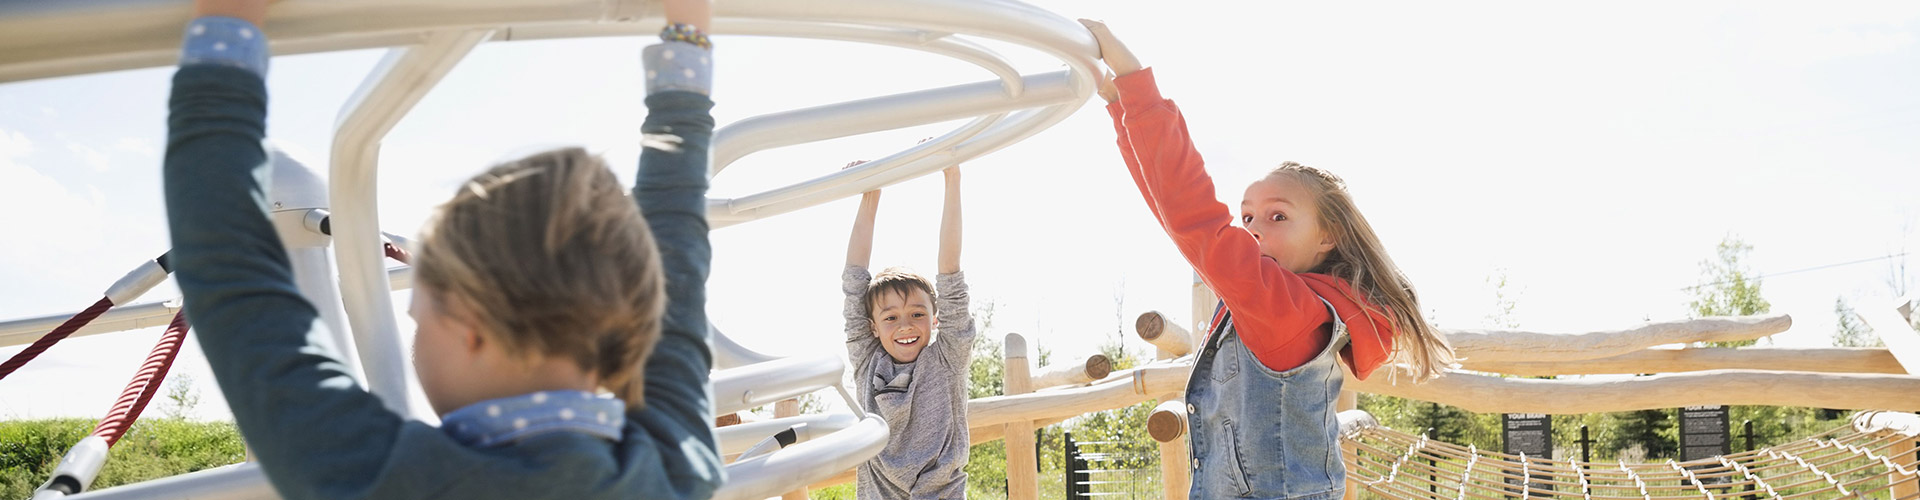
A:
{"x": 1328, "y": 240}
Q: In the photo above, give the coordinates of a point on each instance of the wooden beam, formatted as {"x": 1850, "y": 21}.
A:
{"x": 1023, "y": 480}
{"x": 1486, "y": 346}
{"x": 1489, "y": 394}
{"x": 1120, "y": 389}
{"x": 1798, "y": 359}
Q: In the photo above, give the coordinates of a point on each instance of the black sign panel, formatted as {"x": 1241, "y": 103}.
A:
{"x": 1530, "y": 434}
{"x": 1704, "y": 432}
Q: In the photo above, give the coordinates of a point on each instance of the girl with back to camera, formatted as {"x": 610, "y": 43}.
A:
{"x": 1303, "y": 276}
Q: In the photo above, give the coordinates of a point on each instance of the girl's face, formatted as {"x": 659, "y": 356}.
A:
{"x": 904, "y": 323}
{"x": 1282, "y": 216}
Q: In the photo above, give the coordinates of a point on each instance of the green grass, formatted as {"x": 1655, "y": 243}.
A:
{"x": 154, "y": 448}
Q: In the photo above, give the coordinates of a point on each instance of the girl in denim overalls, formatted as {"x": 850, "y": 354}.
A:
{"x": 1305, "y": 279}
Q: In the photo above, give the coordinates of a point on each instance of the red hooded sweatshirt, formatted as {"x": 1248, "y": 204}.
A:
{"x": 1276, "y": 312}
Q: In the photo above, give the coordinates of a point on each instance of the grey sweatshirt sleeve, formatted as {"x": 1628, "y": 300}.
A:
{"x": 956, "y": 320}
{"x": 860, "y": 342}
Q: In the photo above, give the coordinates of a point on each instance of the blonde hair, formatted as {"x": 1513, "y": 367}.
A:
{"x": 897, "y": 280}
{"x": 1360, "y": 259}
{"x": 550, "y": 258}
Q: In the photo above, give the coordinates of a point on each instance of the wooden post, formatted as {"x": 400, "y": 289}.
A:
{"x": 1176, "y": 467}
{"x": 790, "y": 408}
{"x": 1023, "y": 466}
{"x": 1902, "y": 451}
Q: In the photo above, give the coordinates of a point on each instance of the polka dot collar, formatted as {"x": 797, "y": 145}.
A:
{"x": 500, "y": 421}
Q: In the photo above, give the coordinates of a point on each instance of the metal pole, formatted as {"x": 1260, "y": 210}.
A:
{"x": 1586, "y": 446}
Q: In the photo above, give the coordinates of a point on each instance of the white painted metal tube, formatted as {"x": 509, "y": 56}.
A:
{"x": 234, "y": 482}
{"x": 805, "y": 463}
{"x": 738, "y": 438}
{"x": 765, "y": 383}
{"x": 76, "y": 469}
{"x": 941, "y": 43}
{"x": 1004, "y": 133}
{"x": 137, "y": 282}
{"x": 390, "y": 91}
{"x": 121, "y": 318}
{"x": 129, "y": 317}
{"x": 730, "y": 354}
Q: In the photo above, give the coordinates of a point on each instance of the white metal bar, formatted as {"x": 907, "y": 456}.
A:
{"x": 234, "y": 482}
{"x": 765, "y": 383}
{"x": 805, "y": 463}
{"x": 730, "y": 354}
{"x": 388, "y": 93}
{"x": 737, "y": 438}
{"x": 128, "y": 317}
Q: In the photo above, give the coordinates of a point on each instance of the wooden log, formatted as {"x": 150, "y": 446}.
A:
{"x": 1163, "y": 333}
{"x": 991, "y": 433}
{"x": 1488, "y": 394}
{"x": 1168, "y": 421}
{"x": 1023, "y": 480}
{"x": 1074, "y": 371}
{"x": 1120, "y": 389}
{"x": 1798, "y": 359}
{"x": 1176, "y": 473}
{"x": 789, "y": 408}
{"x": 1486, "y": 346}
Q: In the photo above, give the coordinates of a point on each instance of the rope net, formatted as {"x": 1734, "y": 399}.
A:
{"x": 1842, "y": 463}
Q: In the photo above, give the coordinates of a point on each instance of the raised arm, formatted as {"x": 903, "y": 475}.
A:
{"x": 860, "y": 243}
{"x": 262, "y": 339}
{"x": 1267, "y": 299}
{"x": 861, "y": 345}
{"x": 950, "y": 223}
{"x": 671, "y": 189}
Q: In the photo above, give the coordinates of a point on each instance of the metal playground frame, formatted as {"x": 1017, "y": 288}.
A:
{"x": 425, "y": 40}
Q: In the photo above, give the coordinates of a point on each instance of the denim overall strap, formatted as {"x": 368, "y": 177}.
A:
{"x": 1259, "y": 433}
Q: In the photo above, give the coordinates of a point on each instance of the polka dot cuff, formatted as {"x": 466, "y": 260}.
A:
{"x": 225, "y": 41}
{"x": 678, "y": 66}
{"x": 500, "y": 421}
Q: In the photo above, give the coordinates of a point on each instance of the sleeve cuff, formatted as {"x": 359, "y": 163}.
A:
{"x": 225, "y": 41}
{"x": 854, "y": 280}
{"x": 950, "y": 284}
{"x": 678, "y": 66}
{"x": 1137, "y": 89}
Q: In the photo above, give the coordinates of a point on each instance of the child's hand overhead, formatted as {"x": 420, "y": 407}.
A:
{"x": 1115, "y": 53}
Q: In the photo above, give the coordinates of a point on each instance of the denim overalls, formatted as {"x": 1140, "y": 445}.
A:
{"x": 1257, "y": 433}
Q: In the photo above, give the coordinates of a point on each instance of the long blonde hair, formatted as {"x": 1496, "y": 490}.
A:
{"x": 551, "y": 259}
{"x": 1360, "y": 259}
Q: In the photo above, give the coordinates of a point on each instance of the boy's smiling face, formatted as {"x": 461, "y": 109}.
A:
{"x": 903, "y": 322}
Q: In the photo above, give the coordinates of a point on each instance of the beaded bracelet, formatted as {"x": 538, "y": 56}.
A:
{"x": 683, "y": 32}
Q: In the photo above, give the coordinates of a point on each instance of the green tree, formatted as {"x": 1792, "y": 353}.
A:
{"x": 180, "y": 391}
{"x": 1727, "y": 287}
{"x": 1849, "y": 331}
{"x": 1643, "y": 435}
{"x": 1730, "y": 289}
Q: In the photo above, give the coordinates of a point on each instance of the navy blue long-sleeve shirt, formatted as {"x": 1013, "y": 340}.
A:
{"x": 319, "y": 435}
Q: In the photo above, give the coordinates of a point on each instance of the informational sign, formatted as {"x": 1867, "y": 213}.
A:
{"x": 1704, "y": 432}
{"x": 1529, "y": 434}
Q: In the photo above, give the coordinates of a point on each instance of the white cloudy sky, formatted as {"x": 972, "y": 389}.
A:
{"x": 1594, "y": 152}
